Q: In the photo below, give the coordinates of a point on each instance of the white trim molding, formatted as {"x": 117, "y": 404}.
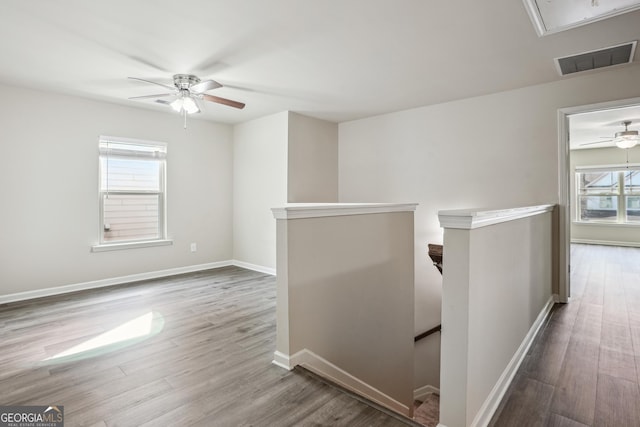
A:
{"x": 607, "y": 168}
{"x": 282, "y": 360}
{"x": 103, "y": 247}
{"x": 490, "y": 405}
{"x": 94, "y": 284}
{"x": 605, "y": 224}
{"x": 469, "y": 219}
{"x": 316, "y": 210}
{"x": 254, "y": 267}
{"x": 541, "y": 28}
{"x": 112, "y": 281}
{"x": 322, "y": 367}
{"x": 606, "y": 243}
{"x": 421, "y": 392}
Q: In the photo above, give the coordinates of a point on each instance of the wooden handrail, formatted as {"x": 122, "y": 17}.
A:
{"x": 427, "y": 333}
{"x": 435, "y": 253}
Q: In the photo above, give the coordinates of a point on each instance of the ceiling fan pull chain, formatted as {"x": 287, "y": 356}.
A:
{"x": 108, "y": 172}
{"x": 184, "y": 113}
{"x": 627, "y": 150}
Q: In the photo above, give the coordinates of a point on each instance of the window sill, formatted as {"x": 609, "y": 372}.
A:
{"x": 130, "y": 245}
{"x": 607, "y": 224}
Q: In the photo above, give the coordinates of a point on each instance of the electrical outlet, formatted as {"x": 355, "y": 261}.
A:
{"x": 194, "y": 247}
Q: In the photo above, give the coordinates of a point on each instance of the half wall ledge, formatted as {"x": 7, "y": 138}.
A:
{"x": 469, "y": 219}
{"x": 317, "y": 210}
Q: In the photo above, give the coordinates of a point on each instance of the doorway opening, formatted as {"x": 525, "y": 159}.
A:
{"x": 590, "y": 210}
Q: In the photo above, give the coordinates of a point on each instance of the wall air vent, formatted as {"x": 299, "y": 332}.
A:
{"x": 621, "y": 54}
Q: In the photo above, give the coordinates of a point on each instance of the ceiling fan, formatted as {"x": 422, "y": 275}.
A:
{"x": 623, "y": 139}
{"x": 187, "y": 90}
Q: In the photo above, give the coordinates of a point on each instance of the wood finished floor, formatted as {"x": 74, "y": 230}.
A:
{"x": 210, "y": 365}
{"x": 584, "y": 367}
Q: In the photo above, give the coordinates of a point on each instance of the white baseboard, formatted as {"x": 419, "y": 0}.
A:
{"x": 254, "y": 267}
{"x": 320, "y": 366}
{"x": 606, "y": 243}
{"x": 422, "y": 392}
{"x": 490, "y": 405}
{"x": 282, "y": 360}
{"x": 94, "y": 284}
{"x": 39, "y": 293}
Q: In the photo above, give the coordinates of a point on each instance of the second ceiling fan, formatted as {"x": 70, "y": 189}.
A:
{"x": 623, "y": 139}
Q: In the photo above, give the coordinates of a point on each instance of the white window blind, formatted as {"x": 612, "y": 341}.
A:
{"x": 132, "y": 190}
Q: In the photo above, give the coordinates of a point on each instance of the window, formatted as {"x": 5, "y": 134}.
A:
{"x": 132, "y": 192}
{"x": 608, "y": 195}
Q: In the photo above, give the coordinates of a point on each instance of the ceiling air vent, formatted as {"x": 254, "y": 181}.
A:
{"x": 621, "y": 54}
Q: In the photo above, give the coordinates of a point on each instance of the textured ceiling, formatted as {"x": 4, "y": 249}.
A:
{"x": 333, "y": 59}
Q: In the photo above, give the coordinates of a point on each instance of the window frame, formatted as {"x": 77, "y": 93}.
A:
{"x": 621, "y": 195}
{"x": 162, "y": 239}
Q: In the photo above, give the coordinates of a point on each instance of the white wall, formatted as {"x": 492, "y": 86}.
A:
{"x": 499, "y": 150}
{"x": 259, "y": 184}
{"x": 285, "y": 157}
{"x": 313, "y": 160}
{"x": 49, "y": 184}
{"x": 605, "y": 234}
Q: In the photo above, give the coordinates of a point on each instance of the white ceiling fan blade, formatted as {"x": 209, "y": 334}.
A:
{"x": 205, "y": 86}
{"x": 154, "y": 83}
{"x": 161, "y": 95}
{"x": 595, "y": 142}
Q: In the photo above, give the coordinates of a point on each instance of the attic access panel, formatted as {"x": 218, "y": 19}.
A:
{"x": 552, "y": 16}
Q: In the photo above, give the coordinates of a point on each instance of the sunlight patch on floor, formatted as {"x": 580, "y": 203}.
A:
{"x": 132, "y": 332}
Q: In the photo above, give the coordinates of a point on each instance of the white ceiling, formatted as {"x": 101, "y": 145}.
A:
{"x": 333, "y": 59}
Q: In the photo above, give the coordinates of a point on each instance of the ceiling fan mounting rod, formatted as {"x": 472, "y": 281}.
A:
{"x": 626, "y": 133}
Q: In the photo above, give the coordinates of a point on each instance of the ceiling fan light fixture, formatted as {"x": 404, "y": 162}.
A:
{"x": 185, "y": 103}
{"x": 627, "y": 141}
{"x": 177, "y": 105}
{"x": 189, "y": 105}
{"x": 626, "y": 138}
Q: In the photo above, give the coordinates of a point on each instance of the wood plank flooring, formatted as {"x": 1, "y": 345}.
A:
{"x": 584, "y": 367}
{"x": 209, "y": 365}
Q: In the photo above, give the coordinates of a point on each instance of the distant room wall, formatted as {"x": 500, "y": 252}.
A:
{"x": 259, "y": 184}
{"x": 312, "y": 160}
